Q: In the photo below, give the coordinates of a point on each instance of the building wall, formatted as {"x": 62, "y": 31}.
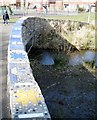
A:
{"x": 7, "y": 2}
{"x": 59, "y": 5}
{"x": 52, "y": 4}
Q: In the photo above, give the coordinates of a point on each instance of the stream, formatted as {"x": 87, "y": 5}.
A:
{"x": 78, "y": 58}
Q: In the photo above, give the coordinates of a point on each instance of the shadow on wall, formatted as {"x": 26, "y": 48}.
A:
{"x": 38, "y": 32}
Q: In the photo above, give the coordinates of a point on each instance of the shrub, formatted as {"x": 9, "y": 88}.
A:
{"x": 81, "y": 9}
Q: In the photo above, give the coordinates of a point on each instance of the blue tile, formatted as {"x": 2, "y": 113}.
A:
{"x": 13, "y": 78}
{"x": 18, "y": 55}
{"x": 16, "y": 32}
{"x": 16, "y": 47}
{"x": 13, "y": 39}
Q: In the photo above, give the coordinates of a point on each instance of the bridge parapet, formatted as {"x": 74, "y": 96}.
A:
{"x": 26, "y": 99}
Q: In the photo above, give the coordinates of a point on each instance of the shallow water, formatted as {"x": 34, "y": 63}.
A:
{"x": 78, "y": 58}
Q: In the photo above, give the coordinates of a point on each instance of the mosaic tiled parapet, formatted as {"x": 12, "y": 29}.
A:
{"x": 26, "y": 99}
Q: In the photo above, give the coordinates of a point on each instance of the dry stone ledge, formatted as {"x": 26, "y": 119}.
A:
{"x": 26, "y": 99}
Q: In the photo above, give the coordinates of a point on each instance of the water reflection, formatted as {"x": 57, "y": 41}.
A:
{"x": 88, "y": 56}
{"x": 83, "y": 56}
{"x": 75, "y": 60}
{"x": 46, "y": 59}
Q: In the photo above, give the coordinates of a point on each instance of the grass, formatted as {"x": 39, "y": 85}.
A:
{"x": 13, "y": 19}
{"x": 82, "y": 17}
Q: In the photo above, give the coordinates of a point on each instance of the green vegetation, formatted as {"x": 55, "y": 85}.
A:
{"x": 13, "y": 19}
{"x": 61, "y": 60}
{"x": 80, "y": 9}
{"x": 82, "y": 17}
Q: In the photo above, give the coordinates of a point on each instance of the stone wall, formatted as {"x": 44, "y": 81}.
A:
{"x": 58, "y": 34}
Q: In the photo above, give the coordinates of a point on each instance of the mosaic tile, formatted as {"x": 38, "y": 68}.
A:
{"x": 16, "y": 32}
{"x": 17, "y": 28}
{"x": 27, "y": 102}
{"x": 17, "y": 56}
{"x": 20, "y": 73}
{"x": 15, "y": 39}
{"x": 16, "y": 46}
{"x": 15, "y": 36}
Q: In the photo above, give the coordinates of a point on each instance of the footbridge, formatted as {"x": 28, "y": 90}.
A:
{"x": 26, "y": 99}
